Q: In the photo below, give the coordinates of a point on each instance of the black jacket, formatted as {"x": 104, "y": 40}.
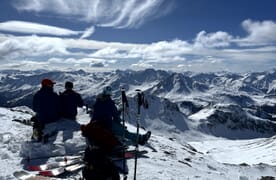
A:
{"x": 70, "y": 101}
{"x": 105, "y": 111}
{"x": 46, "y": 105}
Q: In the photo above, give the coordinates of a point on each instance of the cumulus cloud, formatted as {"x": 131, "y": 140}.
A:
{"x": 217, "y": 39}
{"x": 110, "y": 13}
{"x": 259, "y": 33}
{"x": 35, "y": 28}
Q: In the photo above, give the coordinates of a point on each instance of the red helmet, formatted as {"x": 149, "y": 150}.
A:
{"x": 47, "y": 82}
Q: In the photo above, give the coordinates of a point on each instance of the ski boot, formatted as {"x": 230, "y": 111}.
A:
{"x": 144, "y": 138}
{"x": 37, "y": 135}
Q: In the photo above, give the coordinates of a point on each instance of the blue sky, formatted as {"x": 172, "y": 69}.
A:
{"x": 179, "y": 35}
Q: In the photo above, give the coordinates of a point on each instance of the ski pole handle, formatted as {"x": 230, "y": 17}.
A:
{"x": 124, "y": 98}
{"x": 139, "y": 100}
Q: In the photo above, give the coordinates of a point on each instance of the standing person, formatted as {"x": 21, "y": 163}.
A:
{"x": 70, "y": 101}
{"x": 106, "y": 113}
{"x": 46, "y": 106}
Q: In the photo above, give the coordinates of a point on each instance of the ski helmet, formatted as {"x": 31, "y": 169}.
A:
{"x": 107, "y": 91}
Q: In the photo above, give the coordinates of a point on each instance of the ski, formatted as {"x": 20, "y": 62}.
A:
{"x": 23, "y": 175}
{"x": 53, "y": 165}
{"x": 61, "y": 170}
{"x": 66, "y": 158}
{"x": 130, "y": 155}
{"x": 117, "y": 156}
{"x": 56, "y": 157}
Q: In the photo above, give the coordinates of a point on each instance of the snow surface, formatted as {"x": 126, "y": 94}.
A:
{"x": 168, "y": 158}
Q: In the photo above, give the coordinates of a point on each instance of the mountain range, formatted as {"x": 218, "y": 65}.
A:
{"x": 212, "y": 103}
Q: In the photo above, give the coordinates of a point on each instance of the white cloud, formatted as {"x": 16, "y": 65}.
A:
{"x": 31, "y": 46}
{"x": 35, "y": 28}
{"x": 111, "y": 13}
{"x": 78, "y": 62}
{"x": 88, "y": 32}
{"x": 107, "y": 53}
{"x": 259, "y": 33}
{"x": 91, "y": 44}
{"x": 141, "y": 65}
{"x": 209, "y": 52}
{"x": 217, "y": 39}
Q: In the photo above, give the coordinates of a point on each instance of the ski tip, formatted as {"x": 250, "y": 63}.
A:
{"x": 34, "y": 168}
{"x": 53, "y": 172}
{"x": 46, "y": 173}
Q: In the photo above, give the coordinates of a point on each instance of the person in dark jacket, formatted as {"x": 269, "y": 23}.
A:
{"x": 106, "y": 113}
{"x": 46, "y": 106}
{"x": 70, "y": 101}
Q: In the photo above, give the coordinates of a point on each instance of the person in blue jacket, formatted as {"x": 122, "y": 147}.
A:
{"x": 106, "y": 113}
{"x": 46, "y": 105}
{"x": 70, "y": 100}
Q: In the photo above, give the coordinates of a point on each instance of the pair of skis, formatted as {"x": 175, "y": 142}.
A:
{"x": 47, "y": 174}
{"x": 64, "y": 165}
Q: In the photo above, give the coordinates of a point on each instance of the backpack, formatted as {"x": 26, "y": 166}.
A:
{"x": 98, "y": 166}
{"x": 99, "y": 136}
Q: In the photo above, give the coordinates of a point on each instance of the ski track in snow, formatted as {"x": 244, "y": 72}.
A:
{"x": 168, "y": 158}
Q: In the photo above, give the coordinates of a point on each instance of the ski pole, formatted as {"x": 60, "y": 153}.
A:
{"x": 139, "y": 104}
{"x": 124, "y": 104}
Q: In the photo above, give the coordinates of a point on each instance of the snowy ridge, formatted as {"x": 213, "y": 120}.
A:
{"x": 245, "y": 101}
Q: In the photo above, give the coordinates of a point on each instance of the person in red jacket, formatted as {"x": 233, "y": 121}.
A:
{"x": 70, "y": 100}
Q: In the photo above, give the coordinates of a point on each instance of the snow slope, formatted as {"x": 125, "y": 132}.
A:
{"x": 167, "y": 158}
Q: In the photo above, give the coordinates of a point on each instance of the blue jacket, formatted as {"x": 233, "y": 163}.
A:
{"x": 46, "y": 105}
{"x": 70, "y": 101}
{"x": 105, "y": 111}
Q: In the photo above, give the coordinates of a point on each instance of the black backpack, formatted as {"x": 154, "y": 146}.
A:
{"x": 98, "y": 165}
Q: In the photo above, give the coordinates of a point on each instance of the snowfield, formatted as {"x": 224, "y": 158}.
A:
{"x": 168, "y": 158}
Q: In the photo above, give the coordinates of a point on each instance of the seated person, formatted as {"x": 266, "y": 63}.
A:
{"x": 46, "y": 106}
{"x": 106, "y": 113}
{"x": 70, "y": 101}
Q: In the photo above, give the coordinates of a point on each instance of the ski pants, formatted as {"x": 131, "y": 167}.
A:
{"x": 119, "y": 130}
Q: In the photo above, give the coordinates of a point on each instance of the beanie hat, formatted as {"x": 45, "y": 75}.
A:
{"x": 69, "y": 85}
{"x": 47, "y": 82}
{"x": 107, "y": 91}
